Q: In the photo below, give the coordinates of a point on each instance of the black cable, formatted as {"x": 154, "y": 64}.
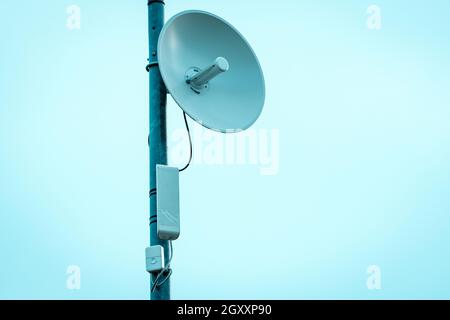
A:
{"x": 190, "y": 142}
{"x": 169, "y": 273}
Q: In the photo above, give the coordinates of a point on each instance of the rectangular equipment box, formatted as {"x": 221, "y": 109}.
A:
{"x": 168, "y": 202}
{"x": 154, "y": 258}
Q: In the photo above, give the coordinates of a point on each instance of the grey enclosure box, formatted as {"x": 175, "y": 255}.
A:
{"x": 154, "y": 258}
{"x": 168, "y": 202}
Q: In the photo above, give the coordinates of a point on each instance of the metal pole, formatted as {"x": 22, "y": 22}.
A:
{"x": 158, "y": 138}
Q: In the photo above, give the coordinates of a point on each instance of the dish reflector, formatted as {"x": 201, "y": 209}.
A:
{"x": 211, "y": 71}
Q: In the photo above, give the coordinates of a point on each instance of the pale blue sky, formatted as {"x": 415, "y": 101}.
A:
{"x": 364, "y": 150}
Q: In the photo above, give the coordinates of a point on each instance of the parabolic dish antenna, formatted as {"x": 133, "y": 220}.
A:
{"x": 211, "y": 71}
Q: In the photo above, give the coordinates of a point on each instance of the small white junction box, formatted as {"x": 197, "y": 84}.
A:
{"x": 168, "y": 202}
{"x": 154, "y": 258}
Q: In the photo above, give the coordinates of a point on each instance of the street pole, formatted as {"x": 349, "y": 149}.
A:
{"x": 157, "y": 139}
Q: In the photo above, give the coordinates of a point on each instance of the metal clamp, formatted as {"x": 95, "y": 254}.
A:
{"x": 151, "y": 64}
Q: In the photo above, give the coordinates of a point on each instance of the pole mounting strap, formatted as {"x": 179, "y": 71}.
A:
{"x": 151, "y": 64}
